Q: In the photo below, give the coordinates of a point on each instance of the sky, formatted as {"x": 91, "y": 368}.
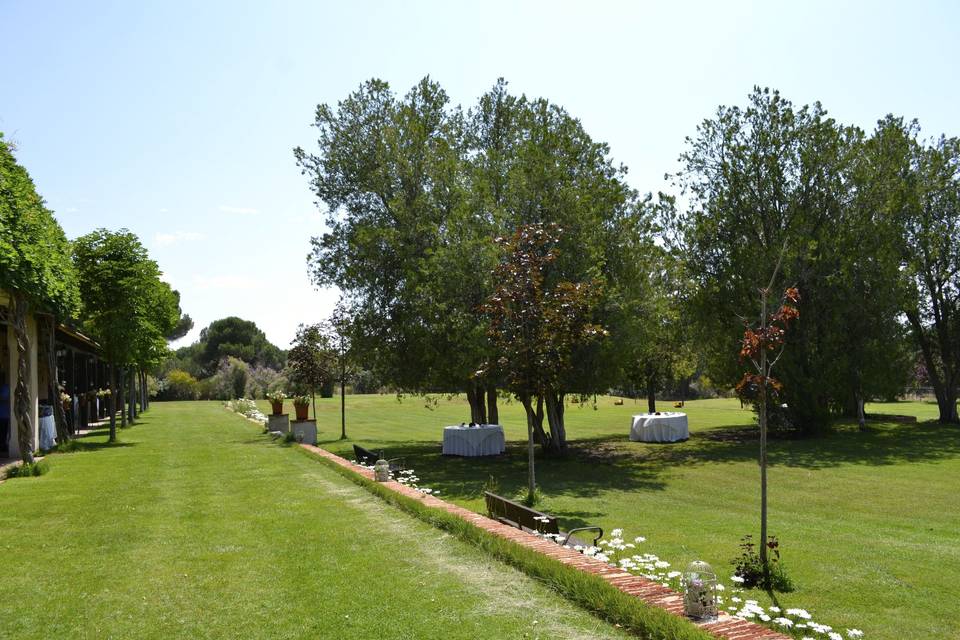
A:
{"x": 177, "y": 120}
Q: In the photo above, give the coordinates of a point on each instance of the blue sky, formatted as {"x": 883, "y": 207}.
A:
{"x": 178, "y": 119}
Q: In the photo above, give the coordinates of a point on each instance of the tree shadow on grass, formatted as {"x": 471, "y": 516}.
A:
{"x": 466, "y": 478}
{"x": 880, "y": 445}
{"x": 595, "y": 466}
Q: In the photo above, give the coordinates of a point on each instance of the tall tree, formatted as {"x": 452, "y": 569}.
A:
{"x": 233, "y": 336}
{"x": 770, "y": 176}
{"x": 35, "y": 269}
{"x": 119, "y": 286}
{"x": 922, "y": 189}
{"x": 762, "y": 346}
{"x": 307, "y": 361}
{"x": 536, "y": 321}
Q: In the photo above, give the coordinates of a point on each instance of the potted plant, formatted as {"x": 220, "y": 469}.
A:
{"x": 276, "y": 399}
{"x": 302, "y": 406}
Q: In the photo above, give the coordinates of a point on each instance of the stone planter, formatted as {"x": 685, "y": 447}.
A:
{"x": 279, "y": 423}
{"x": 304, "y": 431}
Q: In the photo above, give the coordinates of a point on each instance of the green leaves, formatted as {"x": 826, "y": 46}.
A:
{"x": 34, "y": 252}
{"x": 126, "y": 305}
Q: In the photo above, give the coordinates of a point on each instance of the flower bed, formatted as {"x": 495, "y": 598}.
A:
{"x": 248, "y": 409}
{"x": 795, "y": 622}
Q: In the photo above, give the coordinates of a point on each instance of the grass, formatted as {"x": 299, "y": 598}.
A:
{"x": 197, "y": 525}
{"x": 867, "y": 520}
{"x": 589, "y": 591}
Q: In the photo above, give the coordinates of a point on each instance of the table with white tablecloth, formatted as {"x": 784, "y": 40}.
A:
{"x": 666, "y": 426}
{"x": 480, "y": 440}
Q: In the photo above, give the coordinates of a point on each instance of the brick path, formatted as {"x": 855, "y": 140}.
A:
{"x": 652, "y": 593}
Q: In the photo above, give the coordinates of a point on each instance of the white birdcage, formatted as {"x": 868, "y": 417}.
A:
{"x": 700, "y": 590}
{"x": 381, "y": 471}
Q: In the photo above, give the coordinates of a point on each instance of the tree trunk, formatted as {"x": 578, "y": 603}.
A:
{"x": 121, "y": 396}
{"x": 861, "y": 414}
{"x": 113, "y": 403}
{"x": 49, "y": 343}
{"x": 133, "y": 396}
{"x": 343, "y": 409}
{"x": 540, "y": 436}
{"x": 478, "y": 409}
{"x": 651, "y": 394}
{"x": 558, "y": 432}
{"x": 764, "y": 373}
{"x": 493, "y": 414}
{"x": 531, "y": 474}
{"x": 947, "y": 403}
{"x": 943, "y": 387}
{"x": 22, "y": 402}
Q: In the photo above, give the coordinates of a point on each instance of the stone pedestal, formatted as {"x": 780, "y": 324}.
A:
{"x": 279, "y": 423}
{"x": 305, "y": 431}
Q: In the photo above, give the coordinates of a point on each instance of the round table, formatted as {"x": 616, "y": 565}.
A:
{"x": 481, "y": 440}
{"x": 667, "y": 426}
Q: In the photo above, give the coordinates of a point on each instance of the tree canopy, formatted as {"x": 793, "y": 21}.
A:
{"x": 34, "y": 251}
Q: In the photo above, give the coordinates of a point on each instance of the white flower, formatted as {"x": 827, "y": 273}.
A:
{"x": 783, "y": 622}
{"x": 720, "y": 587}
{"x": 661, "y": 564}
{"x": 639, "y": 539}
{"x": 799, "y": 613}
{"x": 616, "y": 533}
{"x": 854, "y": 633}
{"x": 774, "y": 608}
{"x": 833, "y": 635}
{"x": 736, "y": 579}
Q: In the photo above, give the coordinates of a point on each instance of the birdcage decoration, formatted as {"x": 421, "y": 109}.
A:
{"x": 700, "y": 590}
{"x": 381, "y": 471}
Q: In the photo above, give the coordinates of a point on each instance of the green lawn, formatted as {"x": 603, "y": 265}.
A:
{"x": 196, "y": 525}
{"x": 867, "y": 521}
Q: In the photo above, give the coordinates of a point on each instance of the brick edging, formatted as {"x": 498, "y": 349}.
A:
{"x": 652, "y": 593}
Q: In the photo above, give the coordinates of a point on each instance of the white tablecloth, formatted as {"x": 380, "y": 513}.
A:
{"x": 669, "y": 426}
{"x": 483, "y": 440}
{"x": 48, "y": 433}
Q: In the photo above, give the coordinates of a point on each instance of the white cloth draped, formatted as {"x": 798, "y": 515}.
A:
{"x": 482, "y": 440}
{"x": 669, "y": 426}
{"x": 48, "y": 433}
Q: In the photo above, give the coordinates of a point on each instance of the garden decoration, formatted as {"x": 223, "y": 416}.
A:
{"x": 699, "y": 590}
{"x": 276, "y": 399}
{"x": 381, "y": 471}
{"x": 302, "y": 406}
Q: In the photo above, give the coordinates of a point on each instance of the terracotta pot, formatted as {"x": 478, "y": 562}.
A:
{"x": 277, "y": 407}
{"x": 302, "y": 411}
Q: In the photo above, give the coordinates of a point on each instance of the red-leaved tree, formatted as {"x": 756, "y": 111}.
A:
{"x": 762, "y": 346}
{"x": 535, "y": 323}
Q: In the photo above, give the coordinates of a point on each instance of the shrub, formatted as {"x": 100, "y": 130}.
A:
{"x": 749, "y": 567}
{"x": 180, "y": 385}
{"x": 29, "y": 469}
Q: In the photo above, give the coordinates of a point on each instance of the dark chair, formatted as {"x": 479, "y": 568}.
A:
{"x": 369, "y": 458}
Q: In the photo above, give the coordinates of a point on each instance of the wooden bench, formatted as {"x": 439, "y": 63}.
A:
{"x": 530, "y": 520}
{"x": 369, "y": 458}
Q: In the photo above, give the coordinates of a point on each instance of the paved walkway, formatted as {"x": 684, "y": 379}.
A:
{"x": 652, "y": 593}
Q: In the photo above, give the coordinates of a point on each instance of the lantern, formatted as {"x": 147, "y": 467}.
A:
{"x": 381, "y": 471}
{"x": 700, "y": 590}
